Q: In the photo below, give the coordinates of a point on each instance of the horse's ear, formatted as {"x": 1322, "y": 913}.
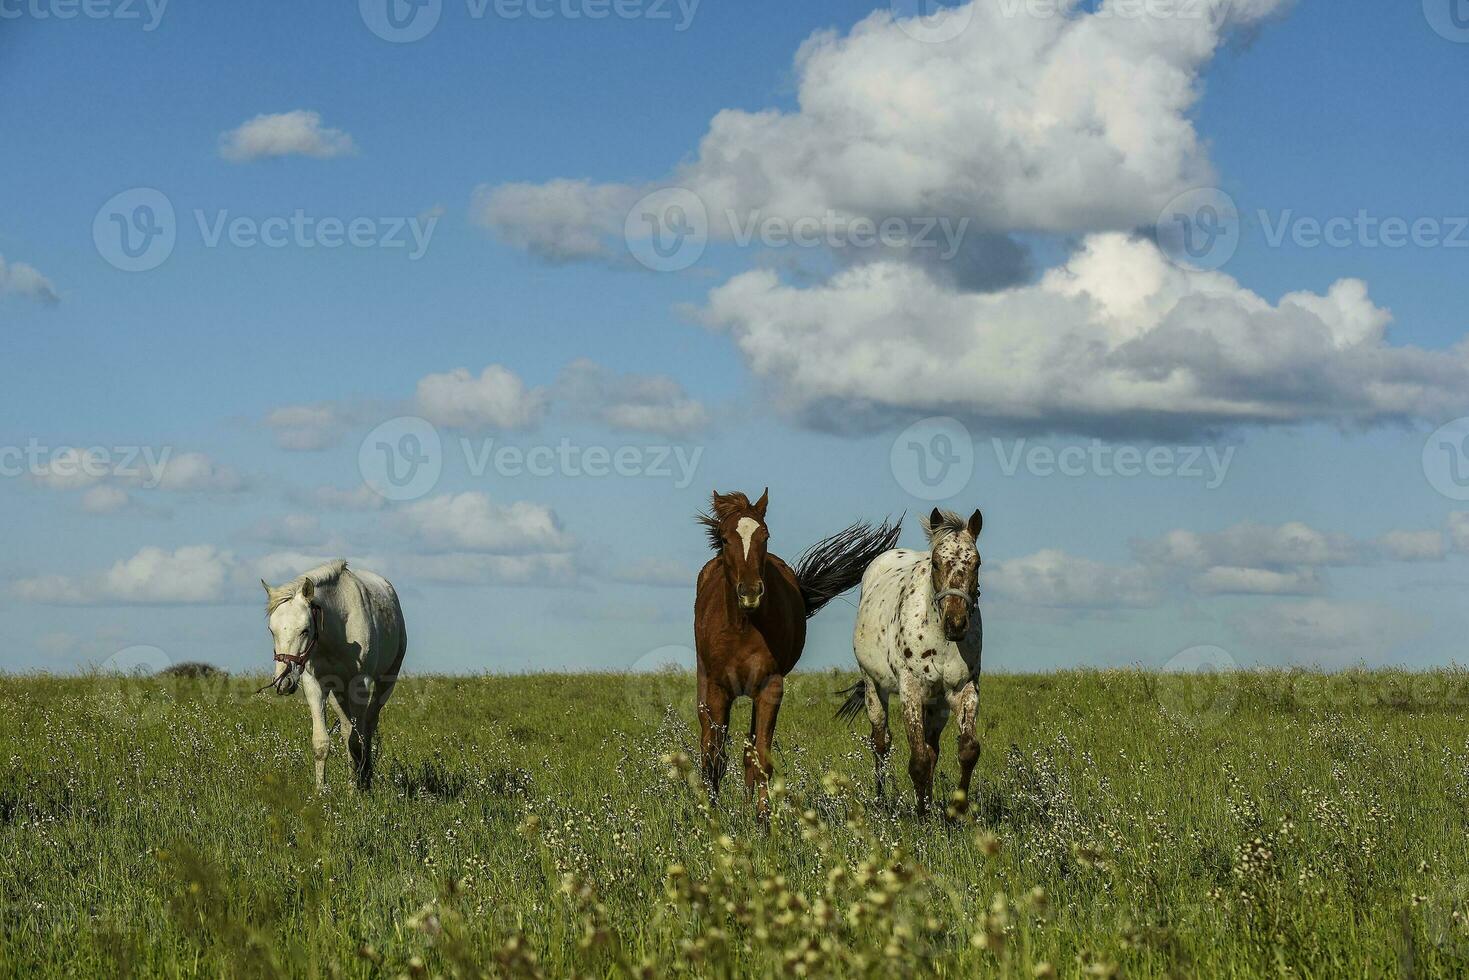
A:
{"x": 762, "y": 503}
{"x": 308, "y": 589}
{"x": 934, "y": 519}
{"x": 265, "y": 585}
{"x": 976, "y": 524}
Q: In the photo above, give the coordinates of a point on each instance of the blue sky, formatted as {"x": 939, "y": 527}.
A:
{"x": 1051, "y": 142}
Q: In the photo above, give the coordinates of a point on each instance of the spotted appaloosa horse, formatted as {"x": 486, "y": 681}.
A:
{"x": 919, "y": 633}
{"x": 750, "y": 616}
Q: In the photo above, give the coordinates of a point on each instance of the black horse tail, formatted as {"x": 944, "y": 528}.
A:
{"x": 831, "y": 567}
{"x": 855, "y": 702}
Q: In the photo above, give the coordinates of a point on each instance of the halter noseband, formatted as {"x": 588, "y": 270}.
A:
{"x": 939, "y": 598}
{"x": 299, "y": 660}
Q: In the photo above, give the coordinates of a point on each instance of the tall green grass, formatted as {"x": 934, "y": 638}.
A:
{"x": 1128, "y": 824}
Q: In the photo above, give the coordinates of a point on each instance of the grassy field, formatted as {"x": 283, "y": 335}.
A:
{"x": 1129, "y": 824}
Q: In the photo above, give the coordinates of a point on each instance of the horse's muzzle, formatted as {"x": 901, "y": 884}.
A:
{"x": 288, "y": 681}
{"x": 750, "y": 598}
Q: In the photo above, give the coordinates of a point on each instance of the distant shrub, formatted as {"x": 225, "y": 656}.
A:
{"x": 193, "y": 669}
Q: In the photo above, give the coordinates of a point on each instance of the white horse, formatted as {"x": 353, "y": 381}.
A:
{"x": 340, "y": 635}
{"x": 919, "y": 634}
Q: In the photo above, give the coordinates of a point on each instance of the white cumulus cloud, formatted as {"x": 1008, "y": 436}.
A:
{"x": 638, "y": 402}
{"x": 192, "y": 574}
{"x": 472, "y": 522}
{"x": 20, "y": 279}
{"x": 1117, "y": 341}
{"x": 495, "y": 399}
{"x": 295, "y": 133}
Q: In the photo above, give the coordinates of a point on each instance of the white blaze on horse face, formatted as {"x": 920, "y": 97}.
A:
{"x": 746, "y": 529}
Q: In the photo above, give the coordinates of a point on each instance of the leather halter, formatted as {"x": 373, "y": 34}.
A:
{"x": 299, "y": 660}
{"x": 939, "y": 598}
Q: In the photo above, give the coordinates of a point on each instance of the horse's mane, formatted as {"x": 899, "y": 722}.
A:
{"x": 320, "y": 575}
{"x": 948, "y": 523}
{"x": 722, "y": 506}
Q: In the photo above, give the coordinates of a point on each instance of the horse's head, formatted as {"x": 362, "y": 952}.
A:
{"x": 295, "y": 626}
{"x": 737, "y": 531}
{"x": 955, "y": 553}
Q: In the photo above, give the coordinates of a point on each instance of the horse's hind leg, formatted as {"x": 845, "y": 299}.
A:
{"x": 714, "y": 703}
{"x": 369, "y": 730}
{"x": 882, "y": 743}
{"x": 351, "y": 705}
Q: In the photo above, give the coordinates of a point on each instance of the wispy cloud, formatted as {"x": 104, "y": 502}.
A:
{"x": 295, "y": 133}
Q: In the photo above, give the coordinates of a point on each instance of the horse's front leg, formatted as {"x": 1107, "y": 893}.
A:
{"x": 965, "y": 705}
{"x": 924, "y": 722}
{"x": 714, "y": 703}
{"x": 320, "y": 738}
{"x": 763, "y": 714}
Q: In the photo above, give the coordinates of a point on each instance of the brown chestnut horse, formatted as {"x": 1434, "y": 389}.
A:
{"x": 750, "y": 617}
